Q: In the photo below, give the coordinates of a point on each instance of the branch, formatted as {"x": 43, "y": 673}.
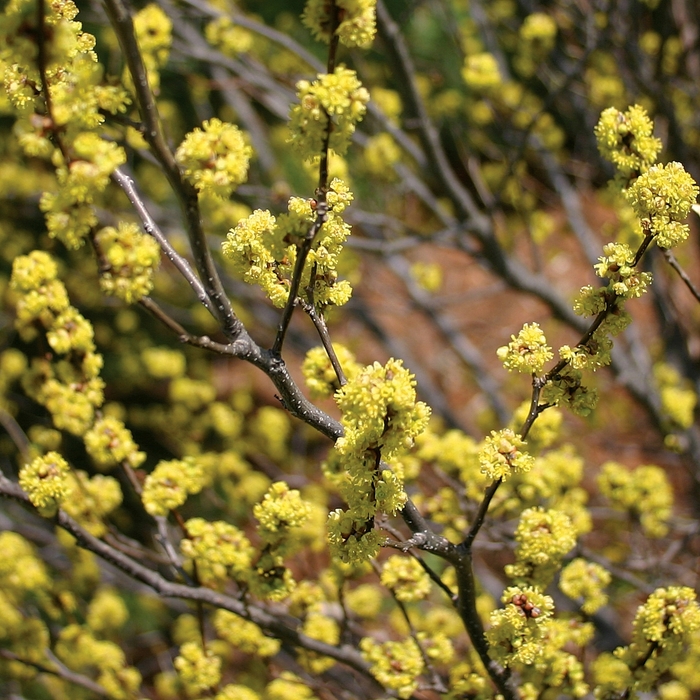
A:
{"x": 152, "y": 229}
{"x": 61, "y": 671}
{"x": 187, "y": 195}
{"x": 673, "y": 262}
{"x": 269, "y": 622}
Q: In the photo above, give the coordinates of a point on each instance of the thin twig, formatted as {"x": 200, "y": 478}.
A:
{"x": 267, "y": 620}
{"x": 187, "y": 195}
{"x": 17, "y": 435}
{"x": 673, "y": 262}
{"x": 61, "y": 671}
{"x": 127, "y": 184}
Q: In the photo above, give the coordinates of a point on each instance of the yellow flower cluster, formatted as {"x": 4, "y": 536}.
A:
{"x": 567, "y": 387}
{"x": 625, "y": 139}
{"x": 230, "y": 38}
{"x": 663, "y": 629}
{"x": 263, "y": 249}
{"x": 501, "y": 456}
{"x": 220, "y": 550}
{"x": 80, "y": 651}
{"x": 396, "y": 665}
{"x": 481, "y": 72}
{"x": 319, "y": 374}
{"x": 356, "y": 20}
{"x": 199, "y": 670}
{"x": 678, "y": 399}
{"x": 46, "y": 482}
{"x": 154, "y": 35}
{"x": 544, "y": 537}
{"x": 170, "y": 483}
{"x": 644, "y": 493}
{"x": 69, "y": 386}
{"x": 585, "y": 580}
{"x": 381, "y": 417}
{"x": 406, "y": 578}
{"x": 109, "y": 443}
{"x": 21, "y": 570}
{"x": 528, "y": 352}
{"x": 91, "y": 499}
{"x": 78, "y": 97}
{"x": 662, "y": 197}
{"x": 325, "y": 629}
{"x": 329, "y": 108}
{"x": 215, "y": 158}
{"x": 132, "y": 258}
{"x": 517, "y": 631}
{"x": 281, "y": 510}
{"x": 380, "y": 411}
{"x": 244, "y": 635}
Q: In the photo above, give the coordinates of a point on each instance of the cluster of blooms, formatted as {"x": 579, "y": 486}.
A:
{"x": 324, "y": 629}
{"x": 319, "y": 374}
{"x": 678, "y": 399}
{"x": 132, "y": 258}
{"x": 199, "y": 670}
{"x": 80, "y": 651}
{"x": 22, "y": 575}
{"x": 625, "y": 139}
{"x": 663, "y": 629}
{"x": 556, "y": 667}
{"x": 625, "y": 282}
{"x": 518, "y": 630}
{"x": 500, "y": 455}
{"x": 381, "y": 152}
{"x": 536, "y": 38}
{"x": 544, "y": 537}
{"x": 481, "y": 72}
{"x": 107, "y": 611}
{"x": 660, "y": 195}
{"x": 215, "y": 158}
{"x": 244, "y": 635}
{"x": 110, "y": 443}
{"x": 380, "y": 417}
{"x": 79, "y": 95}
{"x": 89, "y": 500}
{"x": 220, "y": 550}
{"x": 406, "y": 578}
{"x": 586, "y": 581}
{"x": 645, "y": 493}
{"x": 356, "y": 23}
{"x": 329, "y": 108}
{"x": 566, "y": 387}
{"x": 281, "y": 514}
{"x": 170, "y": 483}
{"x": 396, "y": 665}
{"x": 45, "y": 481}
{"x": 50, "y": 484}
{"x": 70, "y": 387}
{"x": 528, "y": 352}
{"x": 662, "y": 198}
{"x": 228, "y": 37}
{"x": 163, "y": 362}
{"x": 270, "y": 425}
{"x": 281, "y": 510}
{"x": 263, "y": 249}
